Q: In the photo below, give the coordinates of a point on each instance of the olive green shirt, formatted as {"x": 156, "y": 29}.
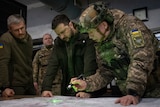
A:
{"x": 15, "y": 61}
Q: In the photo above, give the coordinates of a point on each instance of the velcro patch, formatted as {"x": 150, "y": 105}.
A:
{"x": 137, "y": 38}
{"x": 1, "y": 45}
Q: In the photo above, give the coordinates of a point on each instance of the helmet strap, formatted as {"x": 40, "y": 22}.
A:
{"x": 103, "y": 33}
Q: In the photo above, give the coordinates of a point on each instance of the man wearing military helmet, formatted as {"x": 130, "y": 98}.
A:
{"x": 126, "y": 51}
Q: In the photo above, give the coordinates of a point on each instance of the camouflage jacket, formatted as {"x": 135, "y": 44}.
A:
{"x": 40, "y": 63}
{"x": 127, "y": 55}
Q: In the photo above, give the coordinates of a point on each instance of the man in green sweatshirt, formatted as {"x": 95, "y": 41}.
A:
{"x": 16, "y": 59}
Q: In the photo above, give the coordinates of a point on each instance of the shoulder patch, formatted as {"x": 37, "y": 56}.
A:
{"x": 137, "y": 38}
{"x": 1, "y": 45}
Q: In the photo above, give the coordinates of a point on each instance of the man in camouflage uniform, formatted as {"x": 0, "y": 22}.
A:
{"x": 126, "y": 52}
{"x": 40, "y": 63}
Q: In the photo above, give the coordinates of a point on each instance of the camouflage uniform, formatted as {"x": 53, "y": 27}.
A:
{"x": 40, "y": 63}
{"x": 128, "y": 55}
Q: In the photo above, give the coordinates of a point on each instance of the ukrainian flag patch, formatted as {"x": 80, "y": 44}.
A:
{"x": 137, "y": 38}
{"x": 1, "y": 45}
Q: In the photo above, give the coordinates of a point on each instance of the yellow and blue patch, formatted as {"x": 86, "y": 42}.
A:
{"x": 1, "y": 45}
{"x": 137, "y": 38}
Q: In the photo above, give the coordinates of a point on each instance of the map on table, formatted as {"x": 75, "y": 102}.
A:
{"x": 66, "y": 101}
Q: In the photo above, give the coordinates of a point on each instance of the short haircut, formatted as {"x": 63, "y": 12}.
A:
{"x": 47, "y": 34}
{"x": 60, "y": 19}
{"x": 14, "y": 19}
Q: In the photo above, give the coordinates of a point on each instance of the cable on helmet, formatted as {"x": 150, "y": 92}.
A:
{"x": 94, "y": 15}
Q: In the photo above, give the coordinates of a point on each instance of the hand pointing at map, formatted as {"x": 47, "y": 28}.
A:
{"x": 78, "y": 84}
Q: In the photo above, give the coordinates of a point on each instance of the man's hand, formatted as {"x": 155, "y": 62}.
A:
{"x": 78, "y": 84}
{"x": 8, "y": 92}
{"x": 36, "y": 88}
{"x": 128, "y": 100}
{"x": 47, "y": 94}
{"x": 83, "y": 95}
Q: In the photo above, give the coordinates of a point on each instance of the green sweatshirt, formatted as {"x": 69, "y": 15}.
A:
{"x": 15, "y": 61}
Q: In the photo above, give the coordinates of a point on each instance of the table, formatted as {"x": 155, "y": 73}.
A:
{"x": 67, "y": 101}
{"x": 18, "y": 97}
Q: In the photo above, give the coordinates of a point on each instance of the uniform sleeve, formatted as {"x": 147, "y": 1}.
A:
{"x": 140, "y": 43}
{"x": 35, "y": 65}
{"x": 101, "y": 78}
{"x": 52, "y": 69}
{"x": 5, "y": 55}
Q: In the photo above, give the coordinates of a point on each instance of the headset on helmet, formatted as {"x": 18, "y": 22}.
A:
{"x": 94, "y": 15}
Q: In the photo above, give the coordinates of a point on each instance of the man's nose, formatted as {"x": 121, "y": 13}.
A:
{"x": 62, "y": 36}
{"x": 20, "y": 31}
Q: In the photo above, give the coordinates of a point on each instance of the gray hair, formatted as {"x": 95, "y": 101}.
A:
{"x": 14, "y": 19}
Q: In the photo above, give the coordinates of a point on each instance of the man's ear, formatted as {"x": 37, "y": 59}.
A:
{"x": 71, "y": 24}
{"x": 105, "y": 24}
{"x": 9, "y": 28}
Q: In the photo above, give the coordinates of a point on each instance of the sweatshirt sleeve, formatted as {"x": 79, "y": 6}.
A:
{"x": 5, "y": 54}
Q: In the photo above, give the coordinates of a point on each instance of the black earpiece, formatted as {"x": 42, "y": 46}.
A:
{"x": 104, "y": 13}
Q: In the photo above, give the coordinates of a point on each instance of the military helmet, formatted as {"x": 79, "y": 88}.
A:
{"x": 94, "y": 15}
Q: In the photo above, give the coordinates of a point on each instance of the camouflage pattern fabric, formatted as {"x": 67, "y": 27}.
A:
{"x": 40, "y": 63}
{"x": 128, "y": 56}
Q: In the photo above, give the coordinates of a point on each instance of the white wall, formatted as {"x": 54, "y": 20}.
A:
{"x": 39, "y": 20}
{"x": 38, "y": 31}
{"x": 154, "y": 19}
